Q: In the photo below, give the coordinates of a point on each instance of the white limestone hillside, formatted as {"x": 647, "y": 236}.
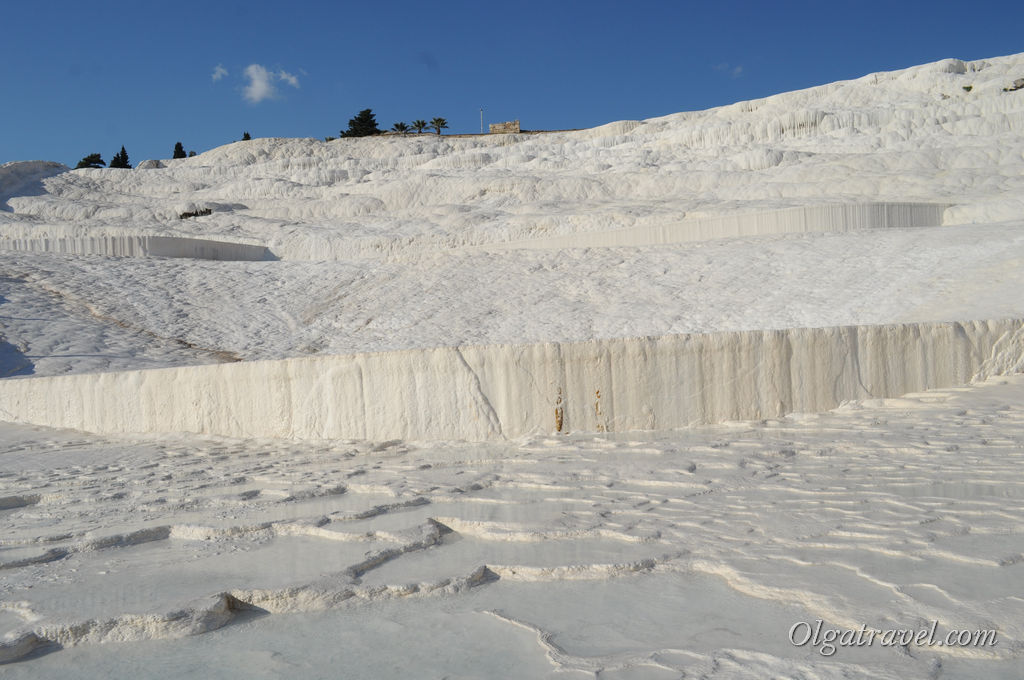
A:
{"x": 264, "y": 480}
{"x": 270, "y": 310}
{"x": 911, "y": 135}
{"x": 791, "y": 211}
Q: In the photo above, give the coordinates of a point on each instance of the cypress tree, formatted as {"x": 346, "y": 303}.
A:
{"x": 120, "y": 160}
{"x": 363, "y": 125}
{"x": 179, "y": 151}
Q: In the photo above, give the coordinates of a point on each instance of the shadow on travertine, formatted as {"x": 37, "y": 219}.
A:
{"x": 25, "y": 178}
{"x": 13, "y": 360}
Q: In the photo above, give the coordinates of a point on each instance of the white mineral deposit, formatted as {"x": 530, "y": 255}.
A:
{"x": 706, "y": 395}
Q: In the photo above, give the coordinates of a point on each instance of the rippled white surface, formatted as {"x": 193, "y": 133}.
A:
{"x": 645, "y": 555}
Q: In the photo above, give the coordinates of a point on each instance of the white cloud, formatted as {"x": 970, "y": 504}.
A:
{"x": 219, "y": 72}
{"x": 288, "y": 78}
{"x": 261, "y": 83}
{"x": 725, "y": 67}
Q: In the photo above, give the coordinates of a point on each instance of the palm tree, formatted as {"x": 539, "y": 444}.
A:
{"x": 419, "y": 125}
{"x": 438, "y": 123}
{"x": 400, "y": 127}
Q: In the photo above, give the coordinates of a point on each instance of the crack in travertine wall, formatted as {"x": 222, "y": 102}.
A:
{"x": 510, "y": 390}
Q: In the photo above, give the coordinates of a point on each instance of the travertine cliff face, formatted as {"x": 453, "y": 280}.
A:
{"x": 122, "y": 245}
{"x": 484, "y": 392}
{"x": 827, "y": 218}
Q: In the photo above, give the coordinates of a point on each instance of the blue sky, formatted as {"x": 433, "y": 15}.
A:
{"x": 82, "y": 77}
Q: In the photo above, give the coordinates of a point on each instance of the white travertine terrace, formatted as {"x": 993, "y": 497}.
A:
{"x": 792, "y": 212}
{"x": 486, "y": 392}
{"x": 138, "y": 246}
{"x": 847, "y": 246}
{"x": 826, "y": 218}
{"x": 829, "y": 218}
